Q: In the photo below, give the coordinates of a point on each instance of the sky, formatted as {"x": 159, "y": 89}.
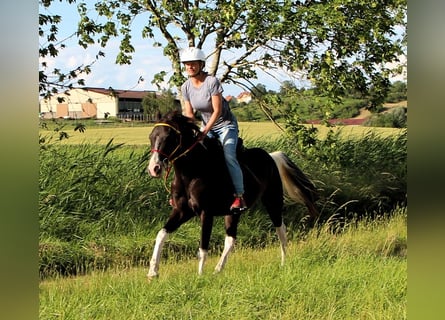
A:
{"x": 147, "y": 60}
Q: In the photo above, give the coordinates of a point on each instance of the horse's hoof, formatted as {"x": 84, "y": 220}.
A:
{"x": 150, "y": 278}
{"x": 217, "y": 270}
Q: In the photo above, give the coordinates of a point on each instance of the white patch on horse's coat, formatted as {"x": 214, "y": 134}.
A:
{"x": 281, "y": 232}
{"x": 155, "y": 259}
{"x": 154, "y": 161}
{"x": 202, "y": 259}
{"x": 229, "y": 243}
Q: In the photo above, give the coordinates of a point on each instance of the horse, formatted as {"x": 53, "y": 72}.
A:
{"x": 202, "y": 187}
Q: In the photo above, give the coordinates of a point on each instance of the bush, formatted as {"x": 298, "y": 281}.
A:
{"x": 397, "y": 118}
{"x": 361, "y": 176}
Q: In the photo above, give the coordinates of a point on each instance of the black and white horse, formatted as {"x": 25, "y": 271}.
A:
{"x": 202, "y": 186}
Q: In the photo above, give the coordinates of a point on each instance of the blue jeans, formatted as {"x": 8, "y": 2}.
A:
{"x": 228, "y": 136}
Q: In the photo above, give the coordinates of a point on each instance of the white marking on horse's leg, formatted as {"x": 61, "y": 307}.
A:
{"x": 202, "y": 259}
{"x": 281, "y": 232}
{"x": 156, "y": 257}
{"x": 229, "y": 243}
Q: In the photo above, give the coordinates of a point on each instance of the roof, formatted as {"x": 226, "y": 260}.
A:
{"x": 120, "y": 93}
{"x": 244, "y": 95}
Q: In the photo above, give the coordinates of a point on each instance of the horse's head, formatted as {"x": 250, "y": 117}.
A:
{"x": 169, "y": 139}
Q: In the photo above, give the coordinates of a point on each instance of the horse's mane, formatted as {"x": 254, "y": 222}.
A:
{"x": 182, "y": 122}
{"x": 190, "y": 130}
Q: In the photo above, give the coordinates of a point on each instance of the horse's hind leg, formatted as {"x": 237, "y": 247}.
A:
{"x": 281, "y": 232}
{"x": 231, "y": 225}
{"x": 273, "y": 203}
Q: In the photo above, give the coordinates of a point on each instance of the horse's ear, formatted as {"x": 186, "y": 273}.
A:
{"x": 175, "y": 114}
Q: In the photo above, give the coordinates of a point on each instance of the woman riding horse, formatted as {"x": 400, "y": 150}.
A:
{"x": 203, "y": 93}
{"x": 202, "y": 185}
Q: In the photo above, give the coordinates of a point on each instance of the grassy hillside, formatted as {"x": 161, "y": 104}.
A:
{"x": 358, "y": 273}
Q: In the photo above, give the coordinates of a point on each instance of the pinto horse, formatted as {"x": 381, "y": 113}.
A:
{"x": 203, "y": 188}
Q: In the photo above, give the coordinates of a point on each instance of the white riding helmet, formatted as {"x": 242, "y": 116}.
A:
{"x": 192, "y": 54}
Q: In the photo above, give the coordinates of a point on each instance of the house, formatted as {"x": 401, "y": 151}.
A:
{"x": 97, "y": 103}
{"x": 244, "y": 96}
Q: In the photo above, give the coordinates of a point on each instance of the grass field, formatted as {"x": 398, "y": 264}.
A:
{"x": 360, "y": 273}
{"x": 248, "y": 130}
{"x": 99, "y": 215}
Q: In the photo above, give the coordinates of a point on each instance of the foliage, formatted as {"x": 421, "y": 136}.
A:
{"x": 398, "y": 92}
{"x": 396, "y": 118}
{"x": 346, "y": 168}
{"x": 52, "y": 81}
{"x": 337, "y": 45}
{"x": 81, "y": 187}
{"x": 157, "y": 104}
{"x": 305, "y": 104}
{"x": 58, "y": 127}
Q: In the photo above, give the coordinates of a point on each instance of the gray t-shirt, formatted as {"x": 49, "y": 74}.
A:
{"x": 201, "y": 100}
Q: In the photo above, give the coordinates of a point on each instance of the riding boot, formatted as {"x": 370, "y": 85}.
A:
{"x": 238, "y": 205}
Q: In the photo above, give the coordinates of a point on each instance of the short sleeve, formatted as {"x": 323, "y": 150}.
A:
{"x": 215, "y": 87}
{"x": 184, "y": 92}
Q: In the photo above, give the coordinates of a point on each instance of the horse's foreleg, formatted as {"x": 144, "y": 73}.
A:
{"x": 229, "y": 243}
{"x": 281, "y": 232}
{"x": 176, "y": 219}
{"x": 156, "y": 257}
{"x": 206, "y": 231}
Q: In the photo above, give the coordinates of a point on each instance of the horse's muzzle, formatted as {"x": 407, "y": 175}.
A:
{"x": 154, "y": 167}
{"x": 154, "y": 171}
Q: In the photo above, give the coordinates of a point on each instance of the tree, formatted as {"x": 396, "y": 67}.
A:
{"x": 336, "y": 44}
{"x": 55, "y": 80}
{"x": 288, "y": 87}
{"x": 155, "y": 105}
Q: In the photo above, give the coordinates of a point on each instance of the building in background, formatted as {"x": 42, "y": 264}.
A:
{"x": 95, "y": 103}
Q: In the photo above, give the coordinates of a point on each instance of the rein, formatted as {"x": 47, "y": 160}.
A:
{"x": 168, "y": 157}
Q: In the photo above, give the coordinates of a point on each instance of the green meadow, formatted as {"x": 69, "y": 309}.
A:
{"x": 99, "y": 213}
{"x": 360, "y": 273}
{"x": 138, "y": 135}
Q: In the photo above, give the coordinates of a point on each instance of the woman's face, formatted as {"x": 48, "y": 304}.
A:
{"x": 192, "y": 67}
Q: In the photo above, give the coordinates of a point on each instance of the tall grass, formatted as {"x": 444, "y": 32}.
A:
{"x": 99, "y": 209}
{"x": 360, "y": 175}
{"x": 359, "y": 273}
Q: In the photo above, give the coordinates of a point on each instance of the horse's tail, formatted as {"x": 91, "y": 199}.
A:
{"x": 296, "y": 185}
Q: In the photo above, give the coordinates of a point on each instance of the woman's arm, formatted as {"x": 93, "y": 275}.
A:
{"x": 188, "y": 110}
{"x": 217, "y": 109}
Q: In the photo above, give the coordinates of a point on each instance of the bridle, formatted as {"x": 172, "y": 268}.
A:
{"x": 170, "y": 158}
